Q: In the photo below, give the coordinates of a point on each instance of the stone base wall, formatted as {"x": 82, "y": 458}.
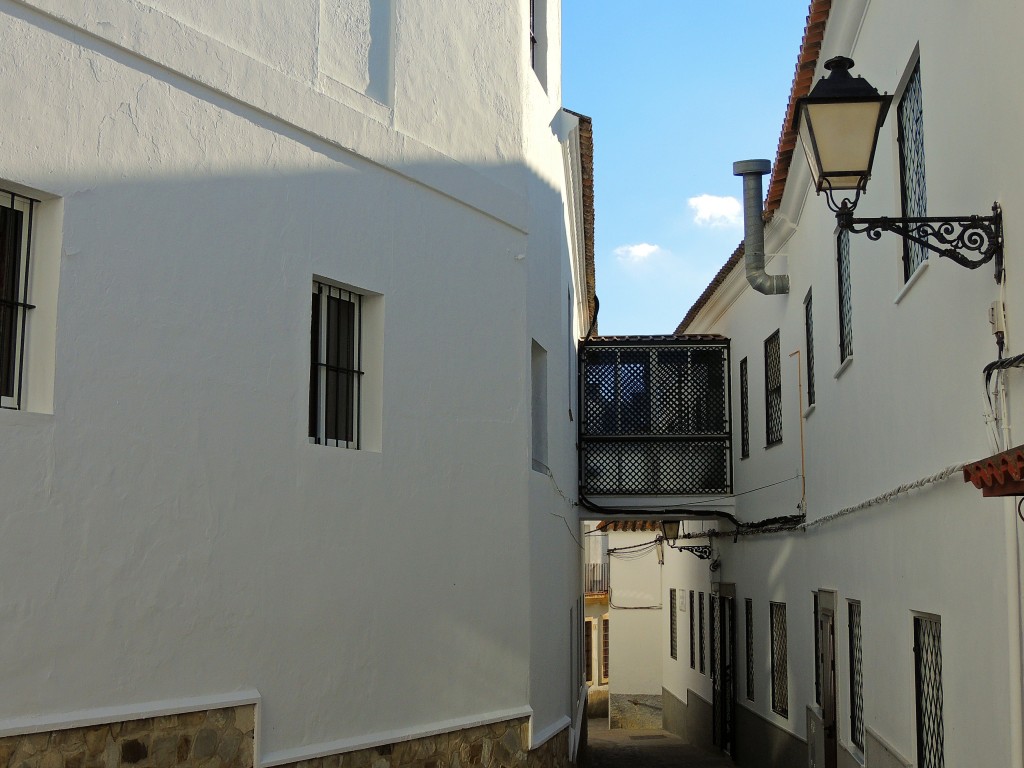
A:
{"x": 225, "y": 738}
{"x": 497, "y": 745}
{"x": 634, "y": 710}
{"x": 214, "y": 738}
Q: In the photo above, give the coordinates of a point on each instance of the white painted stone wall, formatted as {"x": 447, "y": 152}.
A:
{"x": 907, "y": 406}
{"x": 635, "y": 613}
{"x": 168, "y": 530}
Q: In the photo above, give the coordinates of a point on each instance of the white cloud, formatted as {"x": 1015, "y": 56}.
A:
{"x": 715, "y": 211}
{"x": 637, "y": 253}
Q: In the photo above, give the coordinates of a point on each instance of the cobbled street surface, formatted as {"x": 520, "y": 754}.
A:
{"x": 619, "y": 748}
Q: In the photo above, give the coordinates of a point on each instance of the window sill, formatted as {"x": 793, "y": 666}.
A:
{"x": 842, "y": 368}
{"x": 14, "y": 417}
{"x": 854, "y": 752}
{"x": 772, "y": 445}
{"x": 808, "y": 410}
{"x": 921, "y": 269}
{"x": 539, "y": 466}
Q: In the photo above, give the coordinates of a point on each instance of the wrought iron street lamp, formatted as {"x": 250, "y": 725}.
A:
{"x": 670, "y": 532}
{"x": 838, "y": 123}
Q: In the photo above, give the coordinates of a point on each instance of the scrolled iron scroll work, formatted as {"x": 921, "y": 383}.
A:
{"x": 701, "y": 551}
{"x": 954, "y": 237}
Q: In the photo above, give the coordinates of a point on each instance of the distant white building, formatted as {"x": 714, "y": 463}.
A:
{"x": 886, "y": 629}
{"x": 289, "y": 297}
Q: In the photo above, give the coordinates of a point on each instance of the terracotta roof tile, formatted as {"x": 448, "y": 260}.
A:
{"x": 806, "y": 64}
{"x": 998, "y": 475}
{"x": 630, "y": 526}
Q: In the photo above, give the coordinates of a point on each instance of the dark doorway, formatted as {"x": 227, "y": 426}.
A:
{"x": 723, "y": 667}
{"x": 826, "y": 643}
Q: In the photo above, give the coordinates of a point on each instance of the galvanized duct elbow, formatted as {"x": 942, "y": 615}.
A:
{"x": 753, "y": 228}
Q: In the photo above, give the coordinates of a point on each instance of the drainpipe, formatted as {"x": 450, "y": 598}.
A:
{"x": 753, "y": 228}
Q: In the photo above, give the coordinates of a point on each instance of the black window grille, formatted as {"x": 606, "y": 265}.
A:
{"x": 16, "y": 219}
{"x": 744, "y": 411}
{"x": 928, "y": 681}
{"x": 588, "y": 648}
{"x": 693, "y": 636}
{"x": 749, "y": 628}
{"x": 780, "y": 669}
{"x": 819, "y": 661}
{"x": 655, "y": 418}
{"x": 673, "y": 629}
{"x": 713, "y": 635}
{"x": 856, "y": 677}
{"x": 605, "y": 642}
{"x": 773, "y": 389}
{"x": 845, "y": 299}
{"x": 533, "y": 33}
{"x": 910, "y": 136}
{"x": 700, "y": 608}
{"x": 809, "y": 338}
{"x": 335, "y": 366}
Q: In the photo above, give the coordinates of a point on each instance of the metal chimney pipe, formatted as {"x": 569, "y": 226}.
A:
{"x": 753, "y": 228}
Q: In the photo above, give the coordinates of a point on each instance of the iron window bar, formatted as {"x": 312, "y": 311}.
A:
{"x": 335, "y": 391}
{"x": 15, "y": 267}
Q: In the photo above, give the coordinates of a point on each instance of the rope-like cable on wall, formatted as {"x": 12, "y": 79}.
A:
{"x": 938, "y": 477}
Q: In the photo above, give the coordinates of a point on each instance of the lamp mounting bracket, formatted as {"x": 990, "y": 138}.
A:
{"x": 700, "y": 551}
{"x": 953, "y": 237}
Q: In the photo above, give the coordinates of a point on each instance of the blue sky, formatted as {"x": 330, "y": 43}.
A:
{"x": 678, "y": 91}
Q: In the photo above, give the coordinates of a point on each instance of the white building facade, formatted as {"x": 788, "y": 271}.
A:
{"x": 290, "y": 301}
{"x": 886, "y": 629}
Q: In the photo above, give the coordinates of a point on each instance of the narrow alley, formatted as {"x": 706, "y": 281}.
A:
{"x": 649, "y": 748}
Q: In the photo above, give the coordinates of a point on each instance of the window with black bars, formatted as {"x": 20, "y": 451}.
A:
{"x": 335, "y": 366}
{"x": 533, "y": 33}
{"x": 605, "y": 644}
{"x": 856, "y": 677}
{"x": 748, "y": 617}
{"x": 773, "y": 390}
{"x": 809, "y": 339}
{"x": 744, "y": 411}
{"x": 693, "y": 636}
{"x": 713, "y": 635}
{"x": 700, "y": 608}
{"x": 928, "y": 683}
{"x": 16, "y": 218}
{"x": 673, "y": 628}
{"x": 780, "y": 668}
{"x": 818, "y": 660}
{"x": 910, "y": 135}
{"x": 588, "y": 649}
{"x": 845, "y": 299}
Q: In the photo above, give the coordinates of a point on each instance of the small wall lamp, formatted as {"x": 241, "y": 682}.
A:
{"x": 838, "y": 123}
{"x": 670, "y": 532}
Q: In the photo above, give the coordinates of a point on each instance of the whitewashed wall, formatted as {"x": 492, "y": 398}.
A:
{"x": 634, "y": 617}
{"x": 168, "y": 531}
{"x": 907, "y": 406}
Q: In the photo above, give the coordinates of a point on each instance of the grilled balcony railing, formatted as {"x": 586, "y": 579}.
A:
{"x": 656, "y": 417}
{"x": 595, "y": 577}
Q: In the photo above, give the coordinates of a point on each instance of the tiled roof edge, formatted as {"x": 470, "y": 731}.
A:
{"x": 803, "y": 77}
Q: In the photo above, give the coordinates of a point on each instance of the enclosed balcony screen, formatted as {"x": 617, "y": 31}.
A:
{"x": 656, "y": 417}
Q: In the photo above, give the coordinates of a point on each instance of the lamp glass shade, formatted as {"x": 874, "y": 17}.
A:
{"x": 670, "y": 529}
{"x": 839, "y": 139}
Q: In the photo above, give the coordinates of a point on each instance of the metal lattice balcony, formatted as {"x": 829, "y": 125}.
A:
{"x": 655, "y": 416}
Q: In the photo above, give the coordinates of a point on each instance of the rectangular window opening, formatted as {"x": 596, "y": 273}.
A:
{"x": 845, "y": 300}
{"x": 809, "y": 339}
{"x": 773, "y": 389}
{"x": 749, "y": 628}
{"x": 928, "y": 684}
{"x": 856, "y": 677}
{"x": 700, "y": 608}
{"x": 605, "y": 641}
{"x": 588, "y": 649}
{"x": 16, "y": 221}
{"x": 335, "y": 366}
{"x": 693, "y": 636}
{"x": 780, "y": 669}
{"x": 744, "y": 412}
{"x": 910, "y": 137}
{"x": 673, "y": 621}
